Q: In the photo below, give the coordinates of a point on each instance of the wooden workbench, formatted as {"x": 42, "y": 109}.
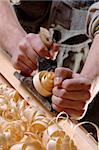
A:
{"x": 81, "y": 138}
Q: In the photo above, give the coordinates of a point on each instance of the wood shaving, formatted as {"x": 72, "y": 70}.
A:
{"x": 24, "y": 127}
{"x": 44, "y": 83}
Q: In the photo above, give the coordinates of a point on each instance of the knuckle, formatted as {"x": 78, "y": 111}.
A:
{"x": 86, "y": 82}
{"x": 66, "y": 84}
{"x": 15, "y": 65}
{"x": 58, "y": 70}
{"x": 55, "y": 107}
{"x": 63, "y": 72}
{"x": 53, "y": 98}
{"x": 16, "y": 60}
{"x": 30, "y": 36}
{"x": 54, "y": 90}
{"x": 24, "y": 45}
{"x": 41, "y": 49}
{"x": 60, "y": 101}
{"x": 62, "y": 93}
{"x": 19, "y": 57}
{"x": 56, "y": 100}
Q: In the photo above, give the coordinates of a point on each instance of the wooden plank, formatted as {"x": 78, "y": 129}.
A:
{"x": 6, "y": 69}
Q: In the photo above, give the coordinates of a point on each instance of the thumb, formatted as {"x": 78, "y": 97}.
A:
{"x": 62, "y": 73}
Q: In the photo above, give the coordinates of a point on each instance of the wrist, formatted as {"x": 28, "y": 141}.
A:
{"x": 86, "y": 76}
{"x": 90, "y": 69}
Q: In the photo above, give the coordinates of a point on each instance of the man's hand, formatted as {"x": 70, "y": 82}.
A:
{"x": 25, "y": 56}
{"x": 70, "y": 92}
{"x": 24, "y": 48}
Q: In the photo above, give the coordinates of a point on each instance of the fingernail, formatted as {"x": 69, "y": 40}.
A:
{"x": 57, "y": 80}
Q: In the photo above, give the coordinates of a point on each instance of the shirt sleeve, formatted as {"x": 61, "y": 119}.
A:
{"x": 92, "y": 22}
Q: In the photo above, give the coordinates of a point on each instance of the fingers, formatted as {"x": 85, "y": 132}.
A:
{"x": 76, "y": 95}
{"x": 24, "y": 68}
{"x": 76, "y": 84}
{"x": 61, "y": 74}
{"x": 26, "y": 48}
{"x": 25, "y": 57}
{"x": 71, "y": 112}
{"x": 37, "y": 45}
{"x": 21, "y": 62}
{"x": 68, "y": 104}
{"x": 70, "y": 93}
{"x": 27, "y": 62}
{"x": 27, "y": 53}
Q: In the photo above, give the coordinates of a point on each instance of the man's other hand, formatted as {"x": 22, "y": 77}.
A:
{"x": 70, "y": 92}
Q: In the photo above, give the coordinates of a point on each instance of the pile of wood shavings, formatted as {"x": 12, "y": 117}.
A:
{"x": 23, "y": 127}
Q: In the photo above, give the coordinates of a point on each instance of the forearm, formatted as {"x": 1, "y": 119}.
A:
{"x": 91, "y": 67}
{"x": 92, "y": 20}
{"x": 9, "y": 27}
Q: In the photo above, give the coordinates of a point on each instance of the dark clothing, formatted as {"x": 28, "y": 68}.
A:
{"x": 33, "y": 14}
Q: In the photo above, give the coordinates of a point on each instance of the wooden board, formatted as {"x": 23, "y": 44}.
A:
{"x": 82, "y": 140}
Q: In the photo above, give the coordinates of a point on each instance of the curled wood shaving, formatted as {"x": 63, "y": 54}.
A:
{"x": 24, "y": 127}
{"x": 15, "y": 2}
{"x": 55, "y": 138}
{"x": 9, "y": 92}
{"x": 46, "y": 37}
{"x": 44, "y": 83}
{"x": 86, "y": 122}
